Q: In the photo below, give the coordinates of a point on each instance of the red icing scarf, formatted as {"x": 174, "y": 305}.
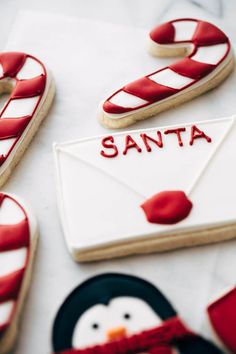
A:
{"x": 158, "y": 340}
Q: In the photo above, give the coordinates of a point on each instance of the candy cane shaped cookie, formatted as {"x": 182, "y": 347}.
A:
{"x": 18, "y": 236}
{"x": 209, "y": 61}
{"x": 31, "y": 93}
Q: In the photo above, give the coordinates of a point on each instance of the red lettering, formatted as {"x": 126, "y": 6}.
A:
{"x": 146, "y": 138}
{"x": 196, "y": 133}
{"x": 176, "y": 131}
{"x": 130, "y": 143}
{"x": 109, "y": 146}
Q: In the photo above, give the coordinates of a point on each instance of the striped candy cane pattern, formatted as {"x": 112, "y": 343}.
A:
{"x": 15, "y": 248}
{"x": 26, "y": 78}
{"x": 210, "y": 54}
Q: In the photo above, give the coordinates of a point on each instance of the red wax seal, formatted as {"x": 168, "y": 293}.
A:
{"x": 168, "y": 207}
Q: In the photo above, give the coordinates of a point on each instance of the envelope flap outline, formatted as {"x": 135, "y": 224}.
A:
{"x": 168, "y": 168}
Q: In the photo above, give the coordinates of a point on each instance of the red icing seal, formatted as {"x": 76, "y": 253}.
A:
{"x": 168, "y": 207}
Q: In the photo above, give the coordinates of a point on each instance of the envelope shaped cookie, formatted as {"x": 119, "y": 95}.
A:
{"x": 148, "y": 190}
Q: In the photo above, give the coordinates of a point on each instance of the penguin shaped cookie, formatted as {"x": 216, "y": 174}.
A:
{"x": 122, "y": 314}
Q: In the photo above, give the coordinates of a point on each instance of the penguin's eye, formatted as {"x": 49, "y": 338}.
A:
{"x": 95, "y": 326}
{"x": 127, "y": 316}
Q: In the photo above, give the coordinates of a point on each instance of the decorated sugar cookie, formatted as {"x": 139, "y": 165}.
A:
{"x": 121, "y": 314}
{"x": 18, "y": 239}
{"x": 148, "y": 190}
{"x": 31, "y": 92}
{"x": 222, "y": 314}
{"x": 208, "y": 62}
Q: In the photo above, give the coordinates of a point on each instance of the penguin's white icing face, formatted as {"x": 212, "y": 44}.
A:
{"x": 123, "y": 316}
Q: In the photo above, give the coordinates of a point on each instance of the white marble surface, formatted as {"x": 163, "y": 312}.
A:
{"x": 87, "y": 65}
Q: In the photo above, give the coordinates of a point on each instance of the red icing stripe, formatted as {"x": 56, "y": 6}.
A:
{"x": 29, "y": 88}
{"x": 12, "y": 62}
{"x": 208, "y": 34}
{"x": 222, "y": 314}
{"x": 149, "y": 90}
{"x": 163, "y": 34}
{"x": 14, "y": 236}
{"x": 12, "y": 127}
{"x": 191, "y": 68}
{"x": 10, "y": 285}
{"x": 112, "y": 108}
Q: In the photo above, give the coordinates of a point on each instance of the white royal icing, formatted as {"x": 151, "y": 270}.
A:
{"x": 184, "y": 30}
{"x": 111, "y": 316}
{"x": 125, "y": 99}
{"x": 20, "y": 107}
{"x": 11, "y": 261}
{"x": 5, "y": 311}
{"x": 168, "y": 77}
{"x": 5, "y": 145}
{"x": 1, "y": 71}
{"x": 93, "y": 189}
{"x": 10, "y": 212}
{"x": 30, "y": 69}
{"x": 211, "y": 54}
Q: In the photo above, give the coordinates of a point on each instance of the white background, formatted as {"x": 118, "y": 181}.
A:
{"x": 189, "y": 277}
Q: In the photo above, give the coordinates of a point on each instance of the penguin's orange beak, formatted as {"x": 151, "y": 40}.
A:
{"x": 116, "y": 333}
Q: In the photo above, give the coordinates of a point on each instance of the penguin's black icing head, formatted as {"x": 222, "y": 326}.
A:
{"x": 125, "y": 300}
